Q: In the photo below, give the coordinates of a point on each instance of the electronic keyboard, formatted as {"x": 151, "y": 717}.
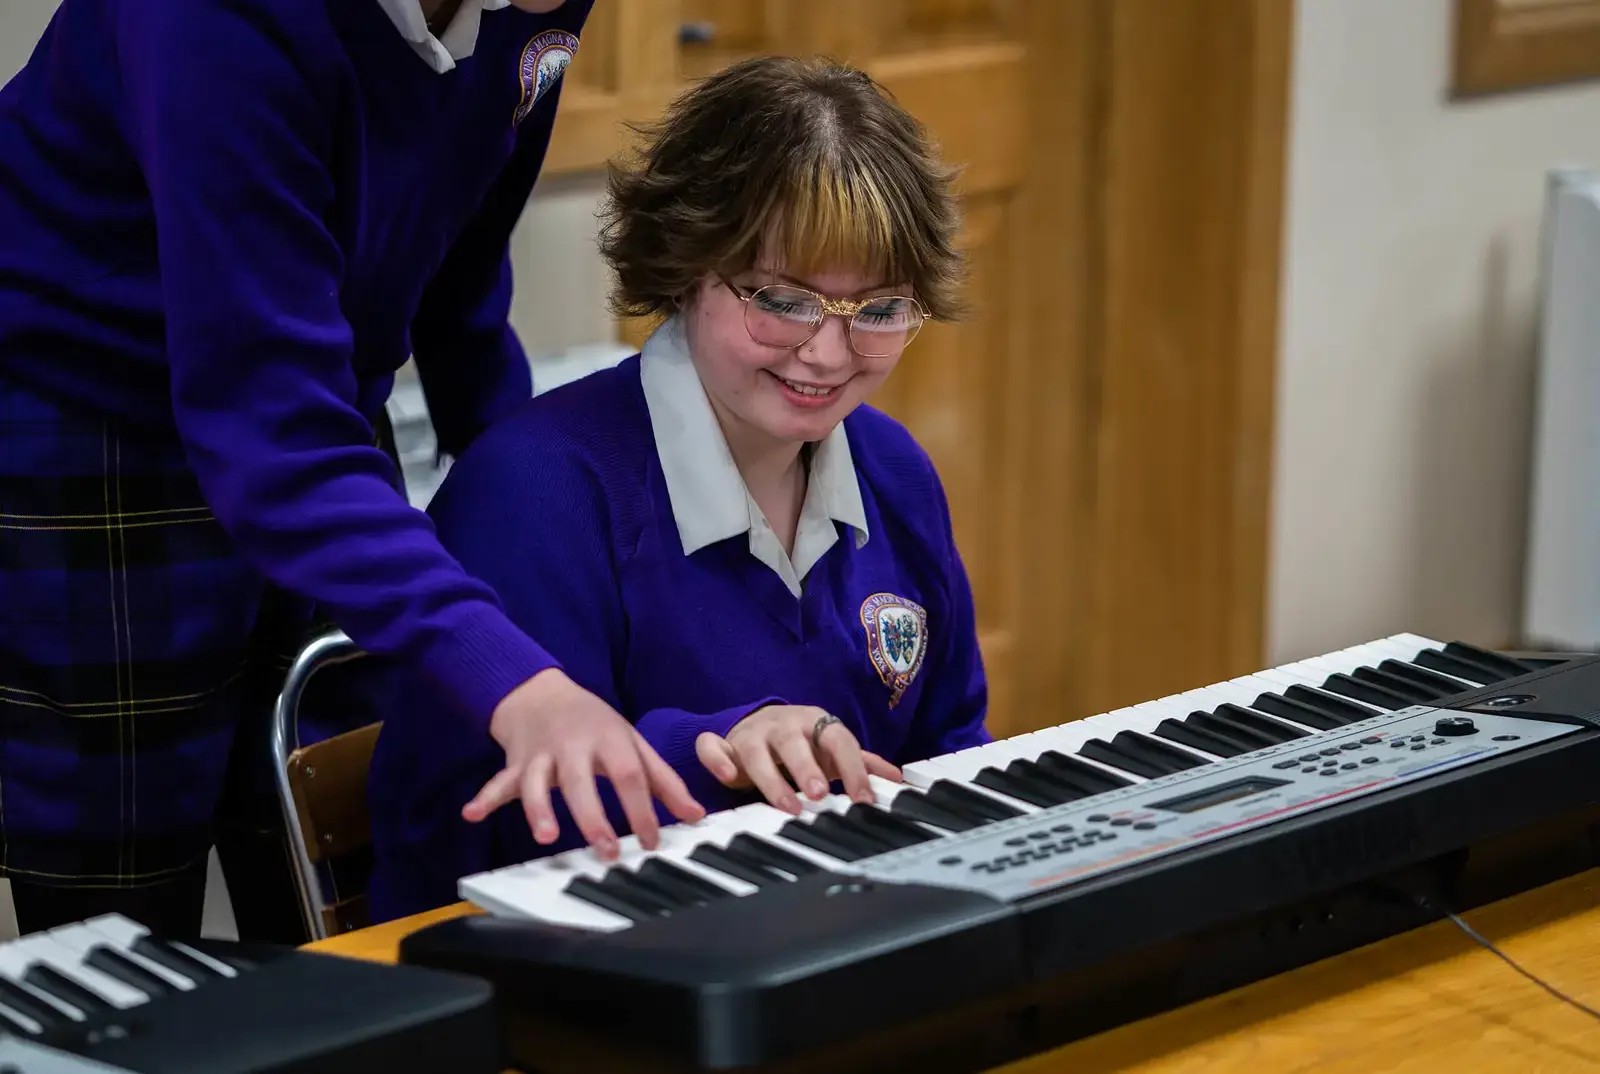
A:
{"x": 105, "y": 995}
{"x": 1017, "y": 895}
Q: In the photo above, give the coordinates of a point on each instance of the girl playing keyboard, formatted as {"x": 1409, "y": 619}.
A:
{"x": 718, "y": 536}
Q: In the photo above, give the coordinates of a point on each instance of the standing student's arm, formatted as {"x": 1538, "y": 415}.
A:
{"x": 471, "y": 364}
{"x": 530, "y": 517}
{"x": 231, "y": 112}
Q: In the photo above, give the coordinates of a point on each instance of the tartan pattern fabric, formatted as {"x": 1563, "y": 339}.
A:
{"x": 133, "y": 642}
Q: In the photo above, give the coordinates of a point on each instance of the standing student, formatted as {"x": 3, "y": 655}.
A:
{"x": 223, "y": 227}
{"x": 719, "y": 536}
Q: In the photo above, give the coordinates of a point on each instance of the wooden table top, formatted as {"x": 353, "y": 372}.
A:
{"x": 1425, "y": 1002}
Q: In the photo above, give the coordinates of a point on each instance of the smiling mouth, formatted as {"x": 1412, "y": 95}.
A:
{"x": 813, "y": 390}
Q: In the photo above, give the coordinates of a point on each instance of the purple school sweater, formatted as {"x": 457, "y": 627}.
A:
{"x": 227, "y": 223}
{"x": 562, "y": 508}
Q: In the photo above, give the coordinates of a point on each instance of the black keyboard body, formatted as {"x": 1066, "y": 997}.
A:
{"x": 836, "y": 974}
{"x": 284, "y": 1011}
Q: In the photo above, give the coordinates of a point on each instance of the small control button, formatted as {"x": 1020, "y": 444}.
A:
{"x": 1454, "y": 726}
{"x": 1111, "y": 835}
{"x": 1144, "y": 826}
{"x": 1121, "y": 822}
{"x": 1352, "y": 766}
{"x": 1436, "y": 742}
{"x": 1350, "y": 746}
{"x": 1308, "y": 769}
{"x": 952, "y": 860}
{"x": 1369, "y": 760}
{"x": 1418, "y": 738}
{"x": 1290, "y": 763}
{"x": 1398, "y": 744}
{"x": 1308, "y": 758}
{"x": 1506, "y": 738}
{"x": 1331, "y": 751}
{"x": 1372, "y": 740}
{"x": 1099, "y": 818}
{"x": 1420, "y": 746}
{"x": 1016, "y": 841}
{"x": 1038, "y": 835}
{"x": 1330, "y": 771}
{"x": 1062, "y": 828}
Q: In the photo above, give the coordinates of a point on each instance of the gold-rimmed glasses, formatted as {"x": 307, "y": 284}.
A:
{"x": 787, "y": 315}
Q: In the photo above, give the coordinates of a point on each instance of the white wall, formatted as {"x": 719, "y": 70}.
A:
{"x": 1408, "y": 337}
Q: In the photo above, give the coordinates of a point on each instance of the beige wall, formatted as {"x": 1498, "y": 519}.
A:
{"x": 1407, "y": 358}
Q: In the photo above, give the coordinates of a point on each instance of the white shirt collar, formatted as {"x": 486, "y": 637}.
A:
{"x": 460, "y": 37}
{"x": 710, "y": 501}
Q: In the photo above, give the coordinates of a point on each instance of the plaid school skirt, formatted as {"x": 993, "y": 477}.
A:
{"x": 135, "y": 647}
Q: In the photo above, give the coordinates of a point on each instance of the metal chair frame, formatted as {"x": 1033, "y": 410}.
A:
{"x": 326, "y": 650}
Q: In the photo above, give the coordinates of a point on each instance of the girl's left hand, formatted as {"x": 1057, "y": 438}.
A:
{"x": 811, "y": 745}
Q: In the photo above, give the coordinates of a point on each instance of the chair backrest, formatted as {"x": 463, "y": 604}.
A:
{"x": 328, "y": 782}
{"x": 322, "y": 793}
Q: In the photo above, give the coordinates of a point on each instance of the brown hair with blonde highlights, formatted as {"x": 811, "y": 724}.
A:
{"x": 809, "y": 156}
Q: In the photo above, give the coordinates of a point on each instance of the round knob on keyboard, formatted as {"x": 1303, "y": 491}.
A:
{"x": 1455, "y": 725}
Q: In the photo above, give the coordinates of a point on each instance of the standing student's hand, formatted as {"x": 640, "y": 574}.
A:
{"x": 556, "y": 734}
{"x": 813, "y": 746}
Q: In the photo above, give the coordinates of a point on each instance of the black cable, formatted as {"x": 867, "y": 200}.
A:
{"x": 1428, "y": 904}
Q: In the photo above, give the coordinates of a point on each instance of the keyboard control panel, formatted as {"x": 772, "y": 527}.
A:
{"x": 1024, "y": 855}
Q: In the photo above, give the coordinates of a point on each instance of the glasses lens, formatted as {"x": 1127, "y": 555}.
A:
{"x": 782, "y": 316}
{"x": 885, "y": 326}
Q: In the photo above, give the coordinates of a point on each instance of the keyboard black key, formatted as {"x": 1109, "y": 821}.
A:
{"x": 628, "y": 886}
{"x": 1419, "y": 694}
{"x": 1342, "y": 709}
{"x": 115, "y": 964}
{"x": 1067, "y": 789}
{"x": 1461, "y": 669}
{"x": 1506, "y": 666}
{"x": 25, "y": 1003}
{"x": 1340, "y": 683}
{"x": 755, "y": 848}
{"x": 912, "y": 803}
{"x": 51, "y": 980}
{"x": 1299, "y": 712}
{"x": 896, "y": 830}
{"x": 1132, "y": 752}
{"x": 1024, "y": 790}
{"x": 180, "y": 962}
{"x": 658, "y": 877}
{"x": 956, "y": 798}
{"x": 1275, "y": 731}
{"x": 660, "y": 867}
{"x": 1248, "y": 738}
{"x": 1447, "y": 685}
{"x": 1098, "y": 749}
{"x": 1196, "y": 737}
{"x": 714, "y": 857}
{"x": 846, "y": 827}
{"x": 833, "y": 844}
{"x": 620, "y": 903}
{"x": 1092, "y": 779}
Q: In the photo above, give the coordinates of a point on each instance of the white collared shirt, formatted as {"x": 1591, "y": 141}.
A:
{"x": 710, "y": 501}
{"x": 460, "y": 37}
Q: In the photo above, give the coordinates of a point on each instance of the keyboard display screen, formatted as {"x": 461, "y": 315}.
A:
{"x": 1215, "y": 796}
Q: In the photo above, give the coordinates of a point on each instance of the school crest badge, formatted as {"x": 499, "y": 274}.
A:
{"x": 543, "y": 60}
{"x": 897, "y": 640}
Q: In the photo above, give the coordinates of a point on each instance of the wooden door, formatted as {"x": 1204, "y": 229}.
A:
{"x": 1102, "y": 422}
